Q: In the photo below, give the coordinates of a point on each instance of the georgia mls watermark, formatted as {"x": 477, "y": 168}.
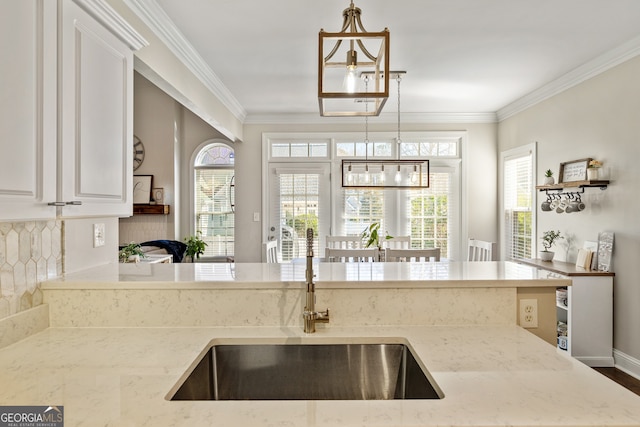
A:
{"x": 31, "y": 416}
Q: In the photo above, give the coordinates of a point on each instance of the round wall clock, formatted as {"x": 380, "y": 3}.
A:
{"x": 138, "y": 152}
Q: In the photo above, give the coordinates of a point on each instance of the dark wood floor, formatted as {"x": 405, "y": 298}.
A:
{"x": 621, "y": 378}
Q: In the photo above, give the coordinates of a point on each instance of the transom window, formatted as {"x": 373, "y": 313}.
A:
{"x": 430, "y": 216}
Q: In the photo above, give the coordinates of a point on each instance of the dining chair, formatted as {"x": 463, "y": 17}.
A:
{"x": 270, "y": 251}
{"x": 480, "y": 250}
{"x": 398, "y": 242}
{"x": 352, "y": 255}
{"x": 409, "y": 255}
{"x": 343, "y": 242}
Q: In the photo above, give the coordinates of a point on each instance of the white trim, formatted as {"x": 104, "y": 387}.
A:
{"x": 626, "y": 363}
{"x": 417, "y": 118}
{"x": 148, "y": 73}
{"x": 163, "y": 27}
{"x": 590, "y": 69}
{"x": 108, "y": 17}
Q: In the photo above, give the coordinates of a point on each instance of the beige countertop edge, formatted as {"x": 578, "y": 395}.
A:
{"x": 53, "y": 285}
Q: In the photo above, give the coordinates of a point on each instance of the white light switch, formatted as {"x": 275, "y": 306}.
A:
{"x": 256, "y": 216}
{"x": 98, "y": 235}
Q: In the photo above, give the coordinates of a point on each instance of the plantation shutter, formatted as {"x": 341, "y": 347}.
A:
{"x": 518, "y": 205}
{"x": 213, "y": 210}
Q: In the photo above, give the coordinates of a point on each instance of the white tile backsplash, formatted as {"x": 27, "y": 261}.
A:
{"x": 30, "y": 252}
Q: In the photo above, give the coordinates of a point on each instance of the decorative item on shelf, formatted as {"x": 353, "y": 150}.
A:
{"x": 605, "y": 250}
{"x": 131, "y": 253}
{"x": 158, "y": 195}
{"x": 593, "y": 171}
{"x": 563, "y": 202}
{"x": 575, "y": 170}
{"x": 548, "y": 177}
{"x": 195, "y": 247}
{"x": 341, "y": 57}
{"x": 548, "y": 240}
{"x": 142, "y": 185}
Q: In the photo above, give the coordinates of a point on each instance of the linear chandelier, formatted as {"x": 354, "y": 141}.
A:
{"x": 342, "y": 58}
{"x": 400, "y": 174}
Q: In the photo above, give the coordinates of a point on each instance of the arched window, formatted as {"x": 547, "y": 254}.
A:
{"x": 214, "y": 199}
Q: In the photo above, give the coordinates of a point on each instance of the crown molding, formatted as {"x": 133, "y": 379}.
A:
{"x": 392, "y": 118}
{"x": 108, "y": 17}
{"x": 590, "y": 69}
{"x": 163, "y": 27}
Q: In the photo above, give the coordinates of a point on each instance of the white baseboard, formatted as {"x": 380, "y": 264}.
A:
{"x": 626, "y": 363}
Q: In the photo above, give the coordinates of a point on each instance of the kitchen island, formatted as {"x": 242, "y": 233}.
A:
{"x": 121, "y": 337}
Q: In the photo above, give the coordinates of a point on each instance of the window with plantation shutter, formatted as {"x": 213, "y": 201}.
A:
{"x": 300, "y": 201}
{"x": 214, "y": 199}
{"x": 430, "y": 216}
{"x": 518, "y": 196}
{"x": 433, "y": 213}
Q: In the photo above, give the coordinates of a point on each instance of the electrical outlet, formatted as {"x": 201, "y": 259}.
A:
{"x": 98, "y": 235}
{"x": 529, "y": 313}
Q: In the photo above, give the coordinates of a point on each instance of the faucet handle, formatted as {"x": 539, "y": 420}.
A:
{"x": 322, "y": 316}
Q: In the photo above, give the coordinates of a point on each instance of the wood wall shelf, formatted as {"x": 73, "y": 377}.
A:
{"x": 151, "y": 209}
{"x": 575, "y": 184}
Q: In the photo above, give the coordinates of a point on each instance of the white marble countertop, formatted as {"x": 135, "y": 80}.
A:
{"x": 256, "y": 275}
{"x": 491, "y": 375}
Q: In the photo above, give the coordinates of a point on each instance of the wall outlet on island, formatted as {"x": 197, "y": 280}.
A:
{"x": 529, "y": 313}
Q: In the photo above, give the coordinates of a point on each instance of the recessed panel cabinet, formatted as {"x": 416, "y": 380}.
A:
{"x": 96, "y": 90}
{"x": 28, "y": 121}
{"x": 67, "y": 112}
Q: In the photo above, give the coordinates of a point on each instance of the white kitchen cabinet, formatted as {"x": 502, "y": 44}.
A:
{"x": 28, "y": 109}
{"x": 96, "y": 115}
{"x": 588, "y": 313}
{"x": 67, "y": 110}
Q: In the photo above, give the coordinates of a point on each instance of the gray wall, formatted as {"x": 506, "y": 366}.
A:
{"x": 598, "y": 119}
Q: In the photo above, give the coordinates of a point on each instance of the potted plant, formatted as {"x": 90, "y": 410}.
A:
{"x": 195, "y": 247}
{"x": 548, "y": 240}
{"x": 548, "y": 177}
{"x": 592, "y": 170}
{"x": 131, "y": 253}
{"x": 371, "y": 235}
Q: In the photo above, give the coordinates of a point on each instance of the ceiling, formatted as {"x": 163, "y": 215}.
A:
{"x": 461, "y": 56}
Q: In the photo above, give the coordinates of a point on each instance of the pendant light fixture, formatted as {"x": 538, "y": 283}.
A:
{"x": 342, "y": 58}
{"x": 399, "y": 174}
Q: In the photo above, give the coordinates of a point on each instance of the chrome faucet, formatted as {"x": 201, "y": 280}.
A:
{"x": 309, "y": 314}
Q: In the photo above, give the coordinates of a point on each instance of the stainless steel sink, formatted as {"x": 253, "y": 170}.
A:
{"x": 306, "y": 372}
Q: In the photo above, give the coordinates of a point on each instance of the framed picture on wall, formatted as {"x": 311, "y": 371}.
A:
{"x": 575, "y": 170}
{"x": 142, "y": 185}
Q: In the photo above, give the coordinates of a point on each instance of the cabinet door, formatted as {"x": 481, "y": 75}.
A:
{"x": 27, "y": 109}
{"x": 96, "y": 90}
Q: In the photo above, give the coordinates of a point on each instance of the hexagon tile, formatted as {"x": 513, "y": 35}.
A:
{"x": 30, "y": 252}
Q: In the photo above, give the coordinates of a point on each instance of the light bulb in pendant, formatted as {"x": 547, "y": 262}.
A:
{"x": 366, "y": 174}
{"x": 382, "y": 174}
{"x": 349, "y": 175}
{"x": 351, "y": 77}
{"x": 398, "y": 178}
{"x": 414, "y": 175}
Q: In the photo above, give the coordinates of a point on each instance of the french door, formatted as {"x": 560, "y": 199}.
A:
{"x": 298, "y": 199}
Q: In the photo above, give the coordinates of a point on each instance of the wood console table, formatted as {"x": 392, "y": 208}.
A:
{"x": 588, "y": 313}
